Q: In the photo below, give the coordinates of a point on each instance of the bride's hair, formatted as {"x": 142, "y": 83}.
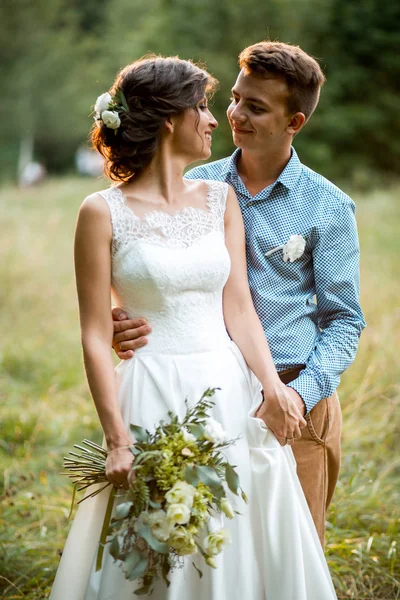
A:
{"x": 154, "y": 88}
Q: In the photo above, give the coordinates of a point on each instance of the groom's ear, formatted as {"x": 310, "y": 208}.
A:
{"x": 296, "y": 122}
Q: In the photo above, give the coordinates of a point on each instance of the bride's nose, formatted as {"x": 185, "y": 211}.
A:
{"x": 213, "y": 121}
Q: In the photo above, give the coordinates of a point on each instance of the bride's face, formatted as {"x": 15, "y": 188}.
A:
{"x": 193, "y": 132}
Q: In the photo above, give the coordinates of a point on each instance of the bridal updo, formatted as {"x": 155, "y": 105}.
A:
{"x": 154, "y": 89}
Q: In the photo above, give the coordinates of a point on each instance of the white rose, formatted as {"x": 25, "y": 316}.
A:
{"x": 181, "y": 493}
{"x": 102, "y": 103}
{"x": 183, "y": 542}
{"x": 111, "y": 119}
{"x": 227, "y": 509}
{"x": 294, "y": 248}
{"x": 213, "y": 432}
{"x": 160, "y": 526}
{"x": 214, "y": 542}
{"x": 187, "y": 436}
{"x": 178, "y": 514}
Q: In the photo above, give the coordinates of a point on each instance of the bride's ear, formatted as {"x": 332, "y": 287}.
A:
{"x": 169, "y": 126}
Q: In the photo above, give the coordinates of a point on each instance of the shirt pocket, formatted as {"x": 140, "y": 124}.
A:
{"x": 288, "y": 270}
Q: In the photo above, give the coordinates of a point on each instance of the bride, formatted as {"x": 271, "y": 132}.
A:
{"x": 173, "y": 251}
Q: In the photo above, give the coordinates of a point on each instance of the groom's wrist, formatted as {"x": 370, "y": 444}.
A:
{"x": 307, "y": 387}
{"x": 301, "y": 405}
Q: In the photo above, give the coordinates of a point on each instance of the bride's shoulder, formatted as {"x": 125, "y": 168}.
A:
{"x": 95, "y": 204}
{"x": 94, "y": 214}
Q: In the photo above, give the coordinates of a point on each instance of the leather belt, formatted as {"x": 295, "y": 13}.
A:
{"x": 290, "y": 374}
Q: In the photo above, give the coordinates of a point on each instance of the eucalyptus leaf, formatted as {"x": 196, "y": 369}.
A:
{"x": 146, "y": 534}
{"x": 208, "y": 475}
{"x": 122, "y": 510}
{"x": 154, "y": 504}
{"x": 218, "y": 492}
{"x": 131, "y": 561}
{"x": 115, "y": 547}
{"x": 196, "y": 430}
{"x": 191, "y": 476}
{"x": 139, "y": 569}
{"x": 141, "y": 434}
{"x": 232, "y": 478}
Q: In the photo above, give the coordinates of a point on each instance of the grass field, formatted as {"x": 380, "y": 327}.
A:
{"x": 45, "y": 406}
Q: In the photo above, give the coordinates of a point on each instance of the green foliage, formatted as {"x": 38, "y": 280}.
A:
{"x": 163, "y": 460}
{"x": 58, "y": 56}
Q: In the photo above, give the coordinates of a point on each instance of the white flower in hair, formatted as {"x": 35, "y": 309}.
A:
{"x": 111, "y": 119}
{"x": 108, "y": 109}
{"x": 102, "y": 103}
{"x": 292, "y": 250}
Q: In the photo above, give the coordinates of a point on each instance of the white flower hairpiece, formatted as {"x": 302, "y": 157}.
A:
{"x": 292, "y": 250}
{"x": 107, "y": 109}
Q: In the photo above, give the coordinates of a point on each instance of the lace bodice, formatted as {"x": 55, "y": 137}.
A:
{"x": 171, "y": 270}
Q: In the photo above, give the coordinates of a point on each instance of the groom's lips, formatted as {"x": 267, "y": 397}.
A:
{"x": 238, "y": 130}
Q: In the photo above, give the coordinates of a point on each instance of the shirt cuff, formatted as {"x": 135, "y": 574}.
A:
{"x": 308, "y": 388}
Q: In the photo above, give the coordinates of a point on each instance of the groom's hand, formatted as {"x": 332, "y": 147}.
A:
{"x": 283, "y": 412}
{"x": 129, "y": 334}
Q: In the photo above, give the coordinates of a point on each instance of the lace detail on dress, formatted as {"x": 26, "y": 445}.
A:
{"x": 175, "y": 230}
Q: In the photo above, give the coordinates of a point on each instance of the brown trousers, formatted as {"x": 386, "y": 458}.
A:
{"x": 317, "y": 454}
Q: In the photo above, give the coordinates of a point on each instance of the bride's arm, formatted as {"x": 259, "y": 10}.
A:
{"x": 93, "y": 278}
{"x": 280, "y": 410}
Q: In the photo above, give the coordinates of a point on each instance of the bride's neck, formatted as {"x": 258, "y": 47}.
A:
{"x": 163, "y": 178}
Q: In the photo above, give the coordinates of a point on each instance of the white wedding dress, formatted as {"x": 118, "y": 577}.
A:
{"x": 171, "y": 269}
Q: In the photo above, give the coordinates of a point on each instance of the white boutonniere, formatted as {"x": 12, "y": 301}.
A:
{"x": 292, "y": 250}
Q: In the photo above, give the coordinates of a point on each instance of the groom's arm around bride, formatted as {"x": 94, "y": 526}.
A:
{"x": 312, "y": 343}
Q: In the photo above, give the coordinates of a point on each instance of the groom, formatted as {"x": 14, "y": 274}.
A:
{"x": 309, "y": 308}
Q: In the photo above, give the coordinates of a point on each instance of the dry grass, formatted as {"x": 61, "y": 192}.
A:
{"x": 45, "y": 406}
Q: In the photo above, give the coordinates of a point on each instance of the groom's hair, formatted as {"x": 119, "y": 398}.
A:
{"x": 303, "y": 75}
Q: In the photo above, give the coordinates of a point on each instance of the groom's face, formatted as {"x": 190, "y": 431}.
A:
{"x": 258, "y": 112}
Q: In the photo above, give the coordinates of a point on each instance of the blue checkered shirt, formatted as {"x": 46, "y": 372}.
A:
{"x": 309, "y": 308}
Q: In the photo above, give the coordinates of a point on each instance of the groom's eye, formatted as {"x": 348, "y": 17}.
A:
{"x": 256, "y": 109}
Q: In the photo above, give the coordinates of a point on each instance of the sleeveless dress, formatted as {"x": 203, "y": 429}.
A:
{"x": 171, "y": 269}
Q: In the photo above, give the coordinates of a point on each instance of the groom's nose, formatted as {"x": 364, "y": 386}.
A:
{"x": 236, "y": 114}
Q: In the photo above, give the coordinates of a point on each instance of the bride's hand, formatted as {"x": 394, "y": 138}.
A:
{"x": 282, "y": 411}
{"x": 119, "y": 467}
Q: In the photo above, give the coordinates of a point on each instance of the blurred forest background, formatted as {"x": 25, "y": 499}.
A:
{"x": 59, "y": 55}
{"x": 56, "y": 57}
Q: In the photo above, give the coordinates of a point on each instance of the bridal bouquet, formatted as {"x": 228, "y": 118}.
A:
{"x": 180, "y": 479}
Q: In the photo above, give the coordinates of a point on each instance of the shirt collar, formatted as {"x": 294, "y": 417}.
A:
{"x": 230, "y": 167}
{"x": 291, "y": 173}
{"x": 288, "y": 177}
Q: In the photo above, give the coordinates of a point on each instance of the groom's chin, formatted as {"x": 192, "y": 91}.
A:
{"x": 237, "y": 140}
